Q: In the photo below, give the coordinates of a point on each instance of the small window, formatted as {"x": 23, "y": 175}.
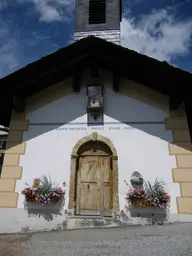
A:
{"x": 97, "y": 11}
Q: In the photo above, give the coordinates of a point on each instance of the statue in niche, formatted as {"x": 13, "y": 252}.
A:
{"x": 94, "y": 96}
{"x": 137, "y": 180}
{"x": 94, "y": 103}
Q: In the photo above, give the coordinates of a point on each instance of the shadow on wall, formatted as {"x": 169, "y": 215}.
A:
{"x": 140, "y": 215}
{"x": 118, "y": 107}
{"x": 151, "y": 215}
{"x": 48, "y": 212}
{"x": 138, "y": 115}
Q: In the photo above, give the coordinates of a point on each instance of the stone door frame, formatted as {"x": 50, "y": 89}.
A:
{"x": 74, "y": 160}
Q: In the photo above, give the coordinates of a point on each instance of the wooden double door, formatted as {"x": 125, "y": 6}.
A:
{"x": 94, "y": 186}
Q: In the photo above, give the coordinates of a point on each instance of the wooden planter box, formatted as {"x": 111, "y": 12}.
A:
{"x": 54, "y": 200}
{"x": 140, "y": 203}
{"x": 143, "y": 203}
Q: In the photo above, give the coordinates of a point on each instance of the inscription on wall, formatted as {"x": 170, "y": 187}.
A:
{"x": 98, "y": 128}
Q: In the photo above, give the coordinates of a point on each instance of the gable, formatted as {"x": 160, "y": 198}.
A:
{"x": 93, "y": 53}
{"x": 60, "y": 99}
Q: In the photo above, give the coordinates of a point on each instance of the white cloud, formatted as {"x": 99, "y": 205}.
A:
{"x": 9, "y": 60}
{"x": 52, "y": 10}
{"x": 159, "y": 35}
{"x": 3, "y": 4}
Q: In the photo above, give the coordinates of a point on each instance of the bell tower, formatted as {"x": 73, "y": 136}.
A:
{"x": 100, "y": 18}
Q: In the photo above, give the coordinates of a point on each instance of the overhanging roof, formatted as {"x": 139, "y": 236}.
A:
{"x": 157, "y": 75}
{"x": 78, "y": 56}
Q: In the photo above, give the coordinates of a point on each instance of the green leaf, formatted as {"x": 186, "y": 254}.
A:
{"x": 46, "y": 185}
{"x": 155, "y": 189}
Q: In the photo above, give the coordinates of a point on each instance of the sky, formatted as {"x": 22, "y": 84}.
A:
{"x": 31, "y": 29}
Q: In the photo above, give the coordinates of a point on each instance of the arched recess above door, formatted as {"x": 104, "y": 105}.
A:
{"x": 78, "y": 149}
{"x": 94, "y": 137}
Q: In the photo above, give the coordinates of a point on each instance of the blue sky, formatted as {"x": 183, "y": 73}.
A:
{"x": 30, "y": 29}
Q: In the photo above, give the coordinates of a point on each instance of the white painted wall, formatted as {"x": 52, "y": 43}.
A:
{"x": 55, "y": 128}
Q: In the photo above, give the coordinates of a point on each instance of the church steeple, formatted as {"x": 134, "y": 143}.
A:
{"x": 100, "y": 18}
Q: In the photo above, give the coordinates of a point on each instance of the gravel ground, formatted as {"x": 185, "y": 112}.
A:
{"x": 169, "y": 240}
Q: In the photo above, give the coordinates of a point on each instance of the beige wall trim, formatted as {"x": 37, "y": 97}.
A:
{"x": 8, "y": 199}
{"x": 184, "y": 205}
{"x": 184, "y": 161}
{"x": 181, "y": 136}
{"x": 176, "y": 123}
{"x": 182, "y": 175}
{"x": 181, "y": 148}
{"x": 74, "y": 158}
{"x": 11, "y": 171}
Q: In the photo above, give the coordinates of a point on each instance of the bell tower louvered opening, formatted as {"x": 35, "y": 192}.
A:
{"x": 97, "y": 11}
{"x": 99, "y": 18}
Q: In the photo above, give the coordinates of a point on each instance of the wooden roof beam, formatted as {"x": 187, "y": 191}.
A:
{"x": 76, "y": 82}
{"x": 19, "y": 103}
{"x": 174, "y": 102}
{"x": 116, "y": 81}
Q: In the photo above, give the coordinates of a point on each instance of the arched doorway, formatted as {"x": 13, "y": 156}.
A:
{"x": 94, "y": 177}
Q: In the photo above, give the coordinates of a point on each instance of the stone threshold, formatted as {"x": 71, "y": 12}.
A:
{"x": 89, "y": 217}
{"x": 76, "y": 222}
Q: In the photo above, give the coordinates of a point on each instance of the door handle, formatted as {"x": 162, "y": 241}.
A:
{"x": 88, "y": 186}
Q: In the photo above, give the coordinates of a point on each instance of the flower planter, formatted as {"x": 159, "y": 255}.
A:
{"x": 149, "y": 213}
{"x": 152, "y": 196}
{"x": 144, "y": 203}
{"x": 54, "y": 200}
{"x": 43, "y": 192}
{"x": 140, "y": 203}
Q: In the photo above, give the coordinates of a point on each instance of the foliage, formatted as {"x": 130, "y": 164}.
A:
{"x": 46, "y": 185}
{"x": 45, "y": 193}
{"x": 153, "y": 195}
{"x": 155, "y": 189}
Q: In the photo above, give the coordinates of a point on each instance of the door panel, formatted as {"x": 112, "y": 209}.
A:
{"x": 107, "y": 199}
{"x": 89, "y": 190}
{"x": 106, "y": 169}
{"x": 94, "y": 186}
{"x": 90, "y": 171}
{"x": 107, "y": 187}
{"x": 90, "y": 199}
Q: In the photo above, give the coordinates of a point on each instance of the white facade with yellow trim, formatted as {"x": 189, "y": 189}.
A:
{"x": 147, "y": 137}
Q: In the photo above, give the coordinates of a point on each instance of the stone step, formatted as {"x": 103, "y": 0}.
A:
{"x": 77, "y": 222}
